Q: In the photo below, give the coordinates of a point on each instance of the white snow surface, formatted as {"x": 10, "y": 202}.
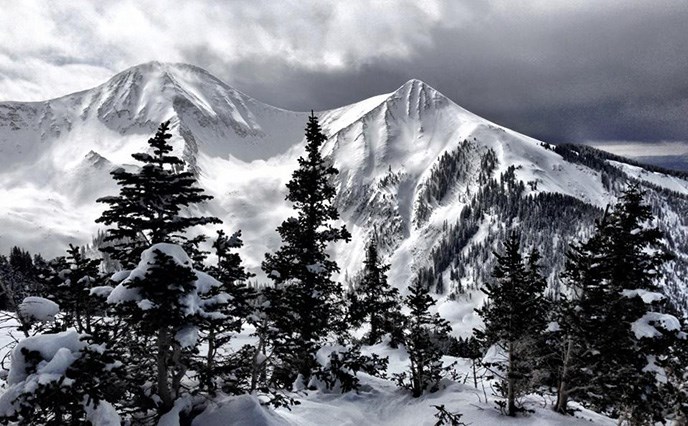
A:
{"x": 658, "y": 371}
{"x": 58, "y": 352}
{"x": 647, "y": 296}
{"x": 646, "y": 326}
{"x": 187, "y": 336}
{"x": 35, "y": 308}
{"x": 171, "y": 418}
{"x": 102, "y": 291}
{"x": 242, "y": 410}
{"x": 104, "y": 414}
{"x": 387, "y": 405}
{"x": 381, "y": 402}
{"x": 660, "y": 179}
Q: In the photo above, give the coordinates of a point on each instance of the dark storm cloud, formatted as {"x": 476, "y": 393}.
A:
{"x": 592, "y": 74}
{"x": 561, "y": 71}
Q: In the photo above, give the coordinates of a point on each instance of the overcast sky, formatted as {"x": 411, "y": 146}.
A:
{"x": 561, "y": 71}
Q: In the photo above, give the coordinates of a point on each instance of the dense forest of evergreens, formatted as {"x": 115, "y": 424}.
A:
{"x": 153, "y": 321}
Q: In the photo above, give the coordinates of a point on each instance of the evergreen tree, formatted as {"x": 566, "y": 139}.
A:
{"x": 614, "y": 282}
{"x": 148, "y": 208}
{"x": 69, "y": 283}
{"x": 57, "y": 379}
{"x": 514, "y": 318}
{"x": 305, "y": 304}
{"x": 11, "y": 284}
{"x": 165, "y": 306}
{"x": 155, "y": 315}
{"x": 375, "y": 300}
{"x": 19, "y": 277}
{"x": 21, "y": 261}
{"x": 422, "y": 332}
{"x": 581, "y": 318}
{"x": 22, "y": 277}
{"x": 226, "y": 371}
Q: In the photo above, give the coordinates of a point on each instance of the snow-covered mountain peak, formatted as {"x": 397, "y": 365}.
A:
{"x": 411, "y": 100}
{"x": 147, "y": 94}
{"x": 419, "y": 96}
{"x": 96, "y": 160}
{"x": 416, "y": 169}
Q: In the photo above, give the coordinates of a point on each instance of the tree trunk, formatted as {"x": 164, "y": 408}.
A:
{"x": 510, "y": 394}
{"x": 475, "y": 377}
{"x": 163, "y": 385}
{"x": 258, "y": 367}
{"x": 210, "y": 359}
{"x": 178, "y": 372}
{"x": 562, "y": 390}
{"x": 415, "y": 379}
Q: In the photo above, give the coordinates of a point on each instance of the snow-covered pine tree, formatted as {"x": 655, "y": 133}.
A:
{"x": 165, "y": 305}
{"x": 69, "y": 285}
{"x": 514, "y": 318}
{"x": 422, "y": 332}
{"x": 621, "y": 331}
{"x": 154, "y": 328}
{"x": 215, "y": 368}
{"x": 677, "y": 381}
{"x": 150, "y": 302}
{"x": 375, "y": 301}
{"x": 305, "y": 305}
{"x": 148, "y": 208}
{"x": 580, "y": 320}
{"x": 59, "y": 379}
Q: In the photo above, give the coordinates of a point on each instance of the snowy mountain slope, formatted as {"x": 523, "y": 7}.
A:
{"x": 398, "y": 142}
{"x": 47, "y": 149}
{"x": 437, "y": 184}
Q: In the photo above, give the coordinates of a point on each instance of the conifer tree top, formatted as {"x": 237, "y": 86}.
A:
{"x": 148, "y": 209}
{"x": 305, "y": 237}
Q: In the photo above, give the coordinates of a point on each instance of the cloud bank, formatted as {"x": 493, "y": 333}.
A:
{"x": 562, "y": 71}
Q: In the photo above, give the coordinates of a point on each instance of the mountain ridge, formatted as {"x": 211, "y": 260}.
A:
{"x": 439, "y": 184}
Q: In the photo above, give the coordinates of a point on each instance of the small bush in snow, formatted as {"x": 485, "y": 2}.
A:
{"x": 445, "y": 417}
{"x": 341, "y": 368}
{"x": 58, "y": 379}
{"x": 422, "y": 331}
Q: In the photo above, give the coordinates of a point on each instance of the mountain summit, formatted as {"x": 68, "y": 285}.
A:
{"x": 436, "y": 184}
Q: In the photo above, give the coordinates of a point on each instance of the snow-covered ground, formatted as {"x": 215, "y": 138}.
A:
{"x": 381, "y": 402}
{"x": 660, "y": 179}
{"x": 378, "y": 402}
